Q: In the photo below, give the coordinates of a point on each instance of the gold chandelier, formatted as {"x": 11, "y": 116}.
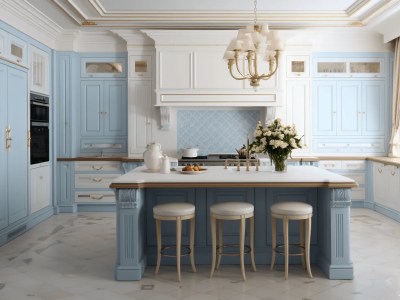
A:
{"x": 251, "y": 42}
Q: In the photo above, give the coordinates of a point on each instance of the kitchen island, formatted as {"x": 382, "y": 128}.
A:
{"x": 139, "y": 190}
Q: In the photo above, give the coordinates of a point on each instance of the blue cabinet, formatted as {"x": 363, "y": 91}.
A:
{"x": 14, "y": 144}
{"x": 103, "y": 108}
{"x": 349, "y": 116}
{"x": 349, "y": 108}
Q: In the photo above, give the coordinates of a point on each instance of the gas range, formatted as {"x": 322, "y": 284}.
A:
{"x": 207, "y": 160}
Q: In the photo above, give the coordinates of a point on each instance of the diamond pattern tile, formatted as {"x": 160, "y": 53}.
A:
{"x": 215, "y": 131}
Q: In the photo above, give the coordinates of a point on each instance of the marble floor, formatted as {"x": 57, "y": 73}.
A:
{"x": 71, "y": 257}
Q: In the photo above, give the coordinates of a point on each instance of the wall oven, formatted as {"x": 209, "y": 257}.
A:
{"x": 39, "y": 127}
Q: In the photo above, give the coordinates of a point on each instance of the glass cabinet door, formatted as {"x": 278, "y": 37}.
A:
{"x": 103, "y": 67}
{"x": 297, "y": 66}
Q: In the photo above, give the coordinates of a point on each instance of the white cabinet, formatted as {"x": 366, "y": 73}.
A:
{"x": 40, "y": 70}
{"x": 140, "y": 112}
{"x": 354, "y": 169}
{"x": 386, "y": 185}
{"x": 13, "y": 48}
{"x": 298, "y": 109}
{"x": 140, "y": 66}
{"x": 39, "y": 187}
{"x": 298, "y": 66}
{"x": 3, "y": 43}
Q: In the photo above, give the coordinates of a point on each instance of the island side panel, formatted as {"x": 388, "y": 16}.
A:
{"x": 131, "y": 234}
{"x": 334, "y": 233}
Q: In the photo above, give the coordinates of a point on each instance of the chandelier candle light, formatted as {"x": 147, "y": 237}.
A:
{"x": 251, "y": 42}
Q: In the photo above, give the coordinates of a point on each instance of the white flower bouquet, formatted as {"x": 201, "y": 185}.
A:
{"x": 277, "y": 140}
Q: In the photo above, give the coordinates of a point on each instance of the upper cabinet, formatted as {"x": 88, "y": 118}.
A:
{"x": 298, "y": 66}
{"x": 349, "y": 67}
{"x": 13, "y": 48}
{"x": 103, "y": 67}
{"x": 191, "y": 71}
{"x": 140, "y": 66}
{"x": 39, "y": 70}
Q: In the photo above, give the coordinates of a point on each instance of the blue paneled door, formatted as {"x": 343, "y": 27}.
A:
{"x": 3, "y": 151}
{"x": 373, "y": 107}
{"x": 14, "y": 158}
{"x": 349, "y": 112}
{"x": 324, "y": 108}
{"x": 103, "y": 108}
{"x": 91, "y": 108}
{"x": 18, "y": 153}
{"x": 115, "y": 108}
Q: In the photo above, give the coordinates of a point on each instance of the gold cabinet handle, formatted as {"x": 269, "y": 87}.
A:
{"x": 97, "y": 168}
{"x": 379, "y": 170}
{"x": 96, "y": 197}
{"x": 29, "y": 138}
{"x": 8, "y": 138}
{"x": 97, "y": 179}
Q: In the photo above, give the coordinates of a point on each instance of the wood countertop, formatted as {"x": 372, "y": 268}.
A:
{"x": 217, "y": 176}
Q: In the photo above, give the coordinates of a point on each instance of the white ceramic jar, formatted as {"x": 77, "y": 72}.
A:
{"x": 165, "y": 165}
{"x": 152, "y": 157}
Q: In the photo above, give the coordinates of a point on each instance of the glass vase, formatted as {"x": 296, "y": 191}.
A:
{"x": 279, "y": 162}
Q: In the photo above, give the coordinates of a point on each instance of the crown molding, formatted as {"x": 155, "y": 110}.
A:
{"x": 28, "y": 19}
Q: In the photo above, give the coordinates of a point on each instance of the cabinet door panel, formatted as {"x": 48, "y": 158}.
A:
{"x": 373, "y": 108}
{"x": 3, "y": 151}
{"x": 324, "y": 108}
{"x": 39, "y": 188}
{"x": 297, "y": 92}
{"x": 379, "y": 183}
{"x": 140, "y": 115}
{"x": 18, "y": 153}
{"x": 115, "y": 105}
{"x": 349, "y": 108}
{"x": 91, "y": 108}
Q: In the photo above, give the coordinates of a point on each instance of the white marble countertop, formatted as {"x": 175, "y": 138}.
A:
{"x": 217, "y": 176}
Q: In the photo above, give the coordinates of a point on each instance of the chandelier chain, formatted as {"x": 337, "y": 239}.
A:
{"x": 255, "y": 12}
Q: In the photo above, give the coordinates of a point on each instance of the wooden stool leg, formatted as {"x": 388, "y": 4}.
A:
{"x": 214, "y": 243}
{"x": 219, "y": 250}
{"x": 242, "y": 235}
{"x": 178, "y": 246}
{"x": 273, "y": 252}
{"x": 308, "y": 240}
{"x": 252, "y": 243}
{"x": 158, "y": 233}
{"x": 302, "y": 248}
{"x": 286, "y": 245}
{"x": 192, "y": 224}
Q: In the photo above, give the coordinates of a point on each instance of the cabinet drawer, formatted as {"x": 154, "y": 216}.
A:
{"x": 330, "y": 164}
{"x": 353, "y": 165}
{"x": 358, "y": 194}
{"x": 94, "y": 196}
{"x": 357, "y": 177}
{"x": 94, "y": 180}
{"x": 98, "y": 166}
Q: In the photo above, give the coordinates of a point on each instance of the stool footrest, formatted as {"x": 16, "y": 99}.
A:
{"x": 247, "y": 249}
{"x": 278, "y": 249}
{"x": 185, "y": 248}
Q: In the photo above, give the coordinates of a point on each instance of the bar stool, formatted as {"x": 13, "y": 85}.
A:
{"x": 231, "y": 211}
{"x": 175, "y": 212}
{"x": 292, "y": 211}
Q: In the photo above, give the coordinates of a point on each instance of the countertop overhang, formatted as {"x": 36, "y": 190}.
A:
{"x": 218, "y": 177}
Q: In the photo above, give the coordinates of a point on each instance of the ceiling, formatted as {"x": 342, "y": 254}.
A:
{"x": 283, "y": 14}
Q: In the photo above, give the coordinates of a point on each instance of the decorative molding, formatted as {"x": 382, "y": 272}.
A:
{"x": 341, "y": 198}
{"x": 28, "y": 19}
{"x": 127, "y": 198}
{"x": 134, "y": 37}
{"x": 99, "y": 41}
{"x": 191, "y": 37}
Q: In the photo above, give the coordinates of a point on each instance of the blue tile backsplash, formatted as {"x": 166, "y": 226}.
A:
{"x": 215, "y": 131}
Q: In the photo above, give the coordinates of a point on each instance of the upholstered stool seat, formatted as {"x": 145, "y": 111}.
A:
{"x": 292, "y": 211}
{"x": 175, "y": 212}
{"x": 231, "y": 211}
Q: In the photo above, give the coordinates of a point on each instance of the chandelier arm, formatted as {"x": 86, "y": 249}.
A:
{"x": 234, "y": 77}
{"x": 250, "y": 65}
{"x": 271, "y": 73}
{"x": 237, "y": 66}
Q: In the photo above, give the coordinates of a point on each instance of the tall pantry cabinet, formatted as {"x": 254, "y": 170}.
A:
{"x": 13, "y": 132}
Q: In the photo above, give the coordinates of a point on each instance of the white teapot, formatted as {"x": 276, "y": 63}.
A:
{"x": 152, "y": 157}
